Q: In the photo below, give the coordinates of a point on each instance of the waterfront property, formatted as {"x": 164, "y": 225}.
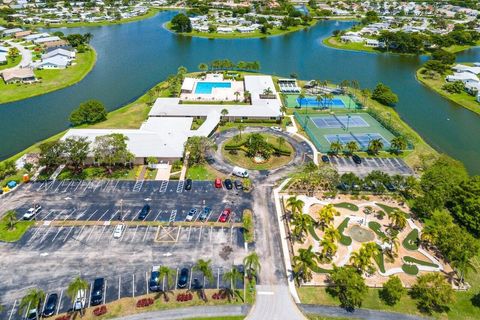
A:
{"x": 19, "y": 75}
{"x": 212, "y": 87}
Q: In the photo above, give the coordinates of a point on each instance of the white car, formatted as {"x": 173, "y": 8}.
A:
{"x": 32, "y": 212}
{"x": 274, "y": 128}
{"x": 191, "y": 214}
{"x": 117, "y": 232}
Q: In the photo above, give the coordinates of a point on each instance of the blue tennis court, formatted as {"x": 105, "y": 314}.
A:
{"x": 343, "y": 121}
{"x": 363, "y": 139}
{"x": 324, "y": 103}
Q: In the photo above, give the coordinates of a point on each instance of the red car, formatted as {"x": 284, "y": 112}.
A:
{"x": 225, "y": 215}
{"x": 218, "y": 183}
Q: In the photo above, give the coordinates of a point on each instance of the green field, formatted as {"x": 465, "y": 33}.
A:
{"x": 50, "y": 80}
{"x": 7, "y": 235}
{"x": 11, "y": 63}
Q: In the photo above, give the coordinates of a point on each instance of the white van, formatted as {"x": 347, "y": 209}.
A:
{"x": 240, "y": 172}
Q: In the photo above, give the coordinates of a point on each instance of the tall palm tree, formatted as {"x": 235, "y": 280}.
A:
{"x": 301, "y": 97}
{"x": 329, "y": 97}
{"x": 301, "y": 224}
{"x": 352, "y": 146}
{"x": 11, "y": 220}
{"x": 230, "y": 278}
{"x": 463, "y": 264}
{"x": 240, "y": 128}
{"x": 247, "y": 96}
{"x": 252, "y": 264}
{"x": 398, "y": 143}
{"x": 224, "y": 112}
{"x": 365, "y": 95}
{"x": 319, "y": 99}
{"x": 283, "y": 110}
{"x": 326, "y": 215}
{"x": 344, "y": 84}
{"x": 393, "y": 244}
{"x": 336, "y": 147}
{"x": 398, "y": 219}
{"x": 303, "y": 264}
{"x": 31, "y": 300}
{"x": 168, "y": 274}
{"x": 329, "y": 248}
{"x": 237, "y": 94}
{"x": 204, "y": 266}
{"x": 295, "y": 205}
{"x": 76, "y": 286}
{"x": 375, "y": 145}
{"x": 281, "y": 141}
{"x": 332, "y": 234}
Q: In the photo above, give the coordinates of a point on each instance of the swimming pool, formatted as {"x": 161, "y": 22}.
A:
{"x": 207, "y": 87}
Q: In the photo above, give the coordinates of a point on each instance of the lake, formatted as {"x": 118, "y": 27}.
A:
{"x": 135, "y": 56}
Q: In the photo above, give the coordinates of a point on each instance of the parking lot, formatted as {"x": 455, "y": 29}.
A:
{"x": 390, "y": 166}
{"x": 49, "y": 256}
{"x": 121, "y": 286}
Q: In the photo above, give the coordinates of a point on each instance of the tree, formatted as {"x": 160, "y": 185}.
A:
{"x": 77, "y": 149}
{"x": 252, "y": 264}
{"x": 13, "y": 52}
{"x": 348, "y": 285}
{"x": 370, "y": 17}
{"x": 398, "y": 144}
{"x": 203, "y": 67}
{"x": 224, "y": 113}
{"x": 301, "y": 224}
{"x": 31, "y": 300}
{"x": 295, "y": 205}
{"x": 204, "y": 266}
{"x": 392, "y": 291}
{"x": 168, "y": 274}
{"x": 384, "y": 95}
{"x": 326, "y": 215}
{"x": 281, "y": 141}
{"x": 375, "y": 145}
{"x": 433, "y": 292}
{"x": 336, "y": 147}
{"x": 465, "y": 204}
{"x": 52, "y": 154}
{"x": 436, "y": 66}
{"x": 230, "y": 278}
{"x": 444, "y": 56}
{"x": 352, "y": 146}
{"x": 77, "y": 285}
{"x": 257, "y": 145}
{"x": 112, "y": 149}
{"x": 181, "y": 23}
{"x": 303, "y": 264}
{"x": 398, "y": 219}
{"x": 198, "y": 147}
{"x": 89, "y": 112}
{"x": 11, "y": 220}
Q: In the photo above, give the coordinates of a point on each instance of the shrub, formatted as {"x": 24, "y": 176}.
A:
{"x": 89, "y": 112}
{"x": 392, "y": 291}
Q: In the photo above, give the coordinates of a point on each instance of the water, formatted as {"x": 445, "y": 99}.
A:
{"x": 207, "y": 87}
{"x": 135, "y": 56}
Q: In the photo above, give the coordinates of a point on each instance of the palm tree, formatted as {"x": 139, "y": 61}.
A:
{"x": 295, "y": 205}
{"x": 182, "y": 70}
{"x": 375, "y": 145}
{"x": 301, "y": 224}
{"x": 281, "y": 141}
{"x": 203, "y": 67}
{"x": 398, "y": 219}
{"x": 247, "y": 96}
{"x": 167, "y": 274}
{"x": 336, "y": 147}
{"x": 31, "y": 300}
{"x": 393, "y": 245}
{"x": 204, "y": 266}
{"x": 230, "y": 278}
{"x": 303, "y": 264}
{"x": 463, "y": 264}
{"x": 332, "y": 234}
{"x": 283, "y": 110}
{"x": 398, "y": 143}
{"x": 326, "y": 215}
{"x": 76, "y": 286}
{"x": 224, "y": 113}
{"x": 365, "y": 94}
{"x": 344, "y": 84}
{"x": 11, "y": 220}
{"x": 329, "y": 248}
{"x": 87, "y": 37}
{"x": 319, "y": 99}
{"x": 329, "y": 96}
{"x": 352, "y": 146}
{"x": 13, "y": 52}
{"x": 252, "y": 264}
{"x": 240, "y": 128}
{"x": 300, "y": 98}
{"x": 237, "y": 94}
{"x": 268, "y": 91}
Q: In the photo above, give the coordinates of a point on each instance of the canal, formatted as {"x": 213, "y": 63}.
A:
{"x": 133, "y": 57}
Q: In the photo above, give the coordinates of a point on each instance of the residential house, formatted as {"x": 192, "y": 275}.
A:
{"x": 55, "y": 62}
{"x": 20, "y": 75}
{"x": 54, "y": 44}
{"x": 22, "y": 34}
{"x": 70, "y": 55}
{"x": 10, "y": 32}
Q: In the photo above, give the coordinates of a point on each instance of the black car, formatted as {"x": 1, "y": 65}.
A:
{"x": 50, "y": 305}
{"x": 228, "y": 184}
{"x": 356, "y": 159}
{"x": 32, "y": 314}
{"x": 188, "y": 184}
{"x": 153, "y": 282}
{"x": 390, "y": 187}
{"x": 97, "y": 292}
{"x": 183, "y": 278}
{"x": 325, "y": 159}
{"x": 238, "y": 185}
{"x": 143, "y": 214}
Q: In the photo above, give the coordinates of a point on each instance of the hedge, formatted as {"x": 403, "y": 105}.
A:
{"x": 345, "y": 240}
{"x": 420, "y": 262}
{"x": 282, "y": 152}
{"x": 410, "y": 269}
{"x": 375, "y": 226}
{"x": 411, "y": 240}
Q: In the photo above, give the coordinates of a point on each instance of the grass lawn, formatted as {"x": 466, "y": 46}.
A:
{"x": 95, "y": 173}
{"x": 315, "y": 317}
{"x": 11, "y": 62}
{"x": 50, "y": 80}
{"x": 202, "y": 172}
{"x": 337, "y": 44}
{"x": 458, "y": 48}
{"x": 238, "y": 35}
{"x": 463, "y": 99}
{"x": 346, "y": 205}
{"x": 13, "y": 235}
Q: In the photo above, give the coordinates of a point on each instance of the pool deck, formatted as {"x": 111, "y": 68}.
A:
{"x": 217, "y": 94}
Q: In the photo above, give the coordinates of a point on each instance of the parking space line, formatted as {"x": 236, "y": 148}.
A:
{"x": 89, "y": 297}
{"x": 101, "y": 233}
{"x": 99, "y": 183}
{"x": 211, "y": 232}
{"x": 115, "y": 186}
{"x": 13, "y": 309}
{"x": 86, "y": 187}
{"x": 59, "y": 302}
{"x": 45, "y": 218}
{"x": 68, "y": 186}
{"x": 218, "y": 278}
{"x": 173, "y": 215}
{"x": 119, "y": 285}
{"x": 189, "y": 231}
{"x": 90, "y": 234}
{"x": 145, "y": 235}
{"x": 134, "y": 233}
{"x": 106, "y": 185}
{"x": 103, "y": 215}
{"x": 190, "y": 282}
{"x": 105, "y": 291}
{"x": 69, "y": 231}
{"x": 231, "y": 235}
{"x": 78, "y": 185}
{"x": 163, "y": 186}
{"x": 138, "y": 186}
{"x": 133, "y": 285}
{"x": 146, "y": 280}
{"x": 200, "y": 236}
{"x": 158, "y": 214}
{"x": 180, "y": 186}
{"x": 123, "y": 234}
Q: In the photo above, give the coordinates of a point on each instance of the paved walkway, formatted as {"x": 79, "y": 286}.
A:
{"x": 274, "y": 303}
{"x": 26, "y": 56}
{"x": 190, "y": 312}
{"x": 330, "y": 311}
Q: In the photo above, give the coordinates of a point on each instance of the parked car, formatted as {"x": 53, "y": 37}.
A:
{"x": 238, "y": 185}
{"x": 275, "y": 128}
{"x": 228, "y": 184}
{"x": 356, "y": 159}
{"x": 225, "y": 215}
{"x": 240, "y": 172}
{"x": 97, "y": 292}
{"x": 144, "y": 212}
{"x": 32, "y": 212}
{"x": 32, "y": 314}
{"x": 50, "y": 305}
{"x": 204, "y": 214}
{"x": 117, "y": 232}
{"x": 191, "y": 214}
{"x": 218, "y": 183}
{"x": 325, "y": 159}
{"x": 188, "y": 184}
{"x": 153, "y": 283}
{"x": 183, "y": 278}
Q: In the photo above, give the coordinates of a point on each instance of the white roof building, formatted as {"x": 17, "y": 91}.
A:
{"x": 59, "y": 52}
{"x": 464, "y": 77}
{"x": 46, "y": 39}
{"x": 55, "y": 62}
{"x": 463, "y": 68}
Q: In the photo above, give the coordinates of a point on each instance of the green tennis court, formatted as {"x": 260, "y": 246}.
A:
{"x": 338, "y": 102}
{"x": 358, "y": 127}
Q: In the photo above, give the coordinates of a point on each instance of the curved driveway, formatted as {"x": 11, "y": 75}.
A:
{"x": 26, "y": 56}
